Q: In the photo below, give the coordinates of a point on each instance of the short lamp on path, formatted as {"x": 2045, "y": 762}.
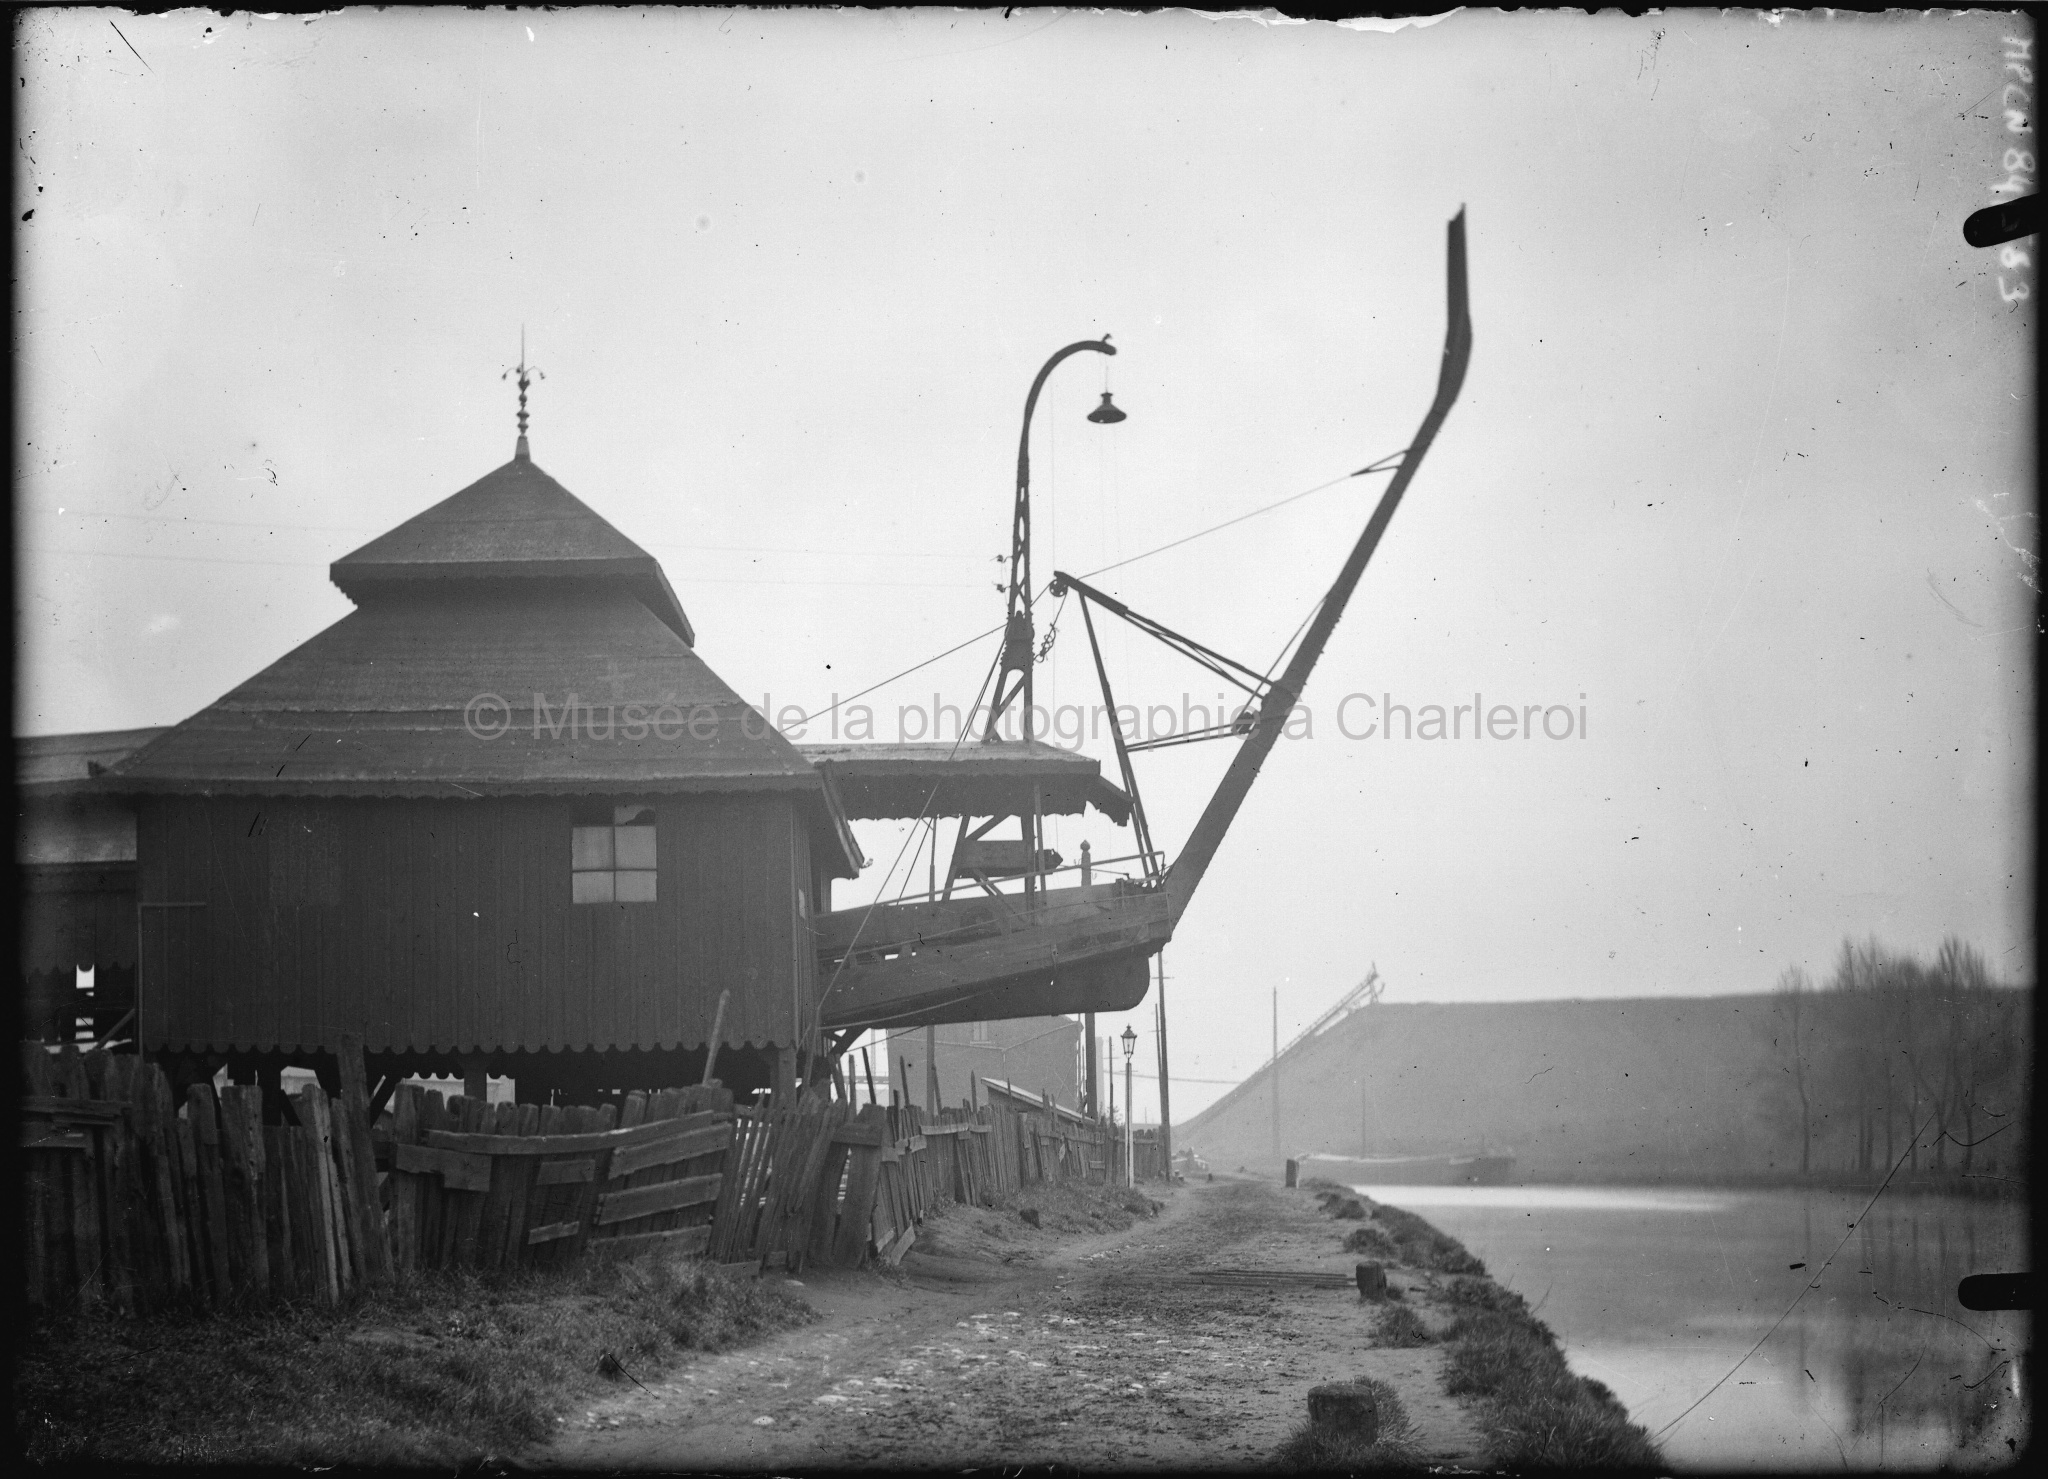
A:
{"x": 1130, "y": 1047}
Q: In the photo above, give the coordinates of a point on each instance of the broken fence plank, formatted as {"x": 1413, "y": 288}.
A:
{"x": 484, "y": 1144}
{"x": 642, "y": 1201}
{"x": 900, "y": 1246}
{"x": 75, "y": 1111}
{"x": 459, "y": 1170}
{"x": 686, "y": 1146}
{"x": 674, "y": 1240}
{"x": 553, "y": 1232}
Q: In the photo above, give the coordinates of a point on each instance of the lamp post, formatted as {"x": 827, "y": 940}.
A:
{"x": 1130, "y": 1047}
{"x": 1020, "y": 640}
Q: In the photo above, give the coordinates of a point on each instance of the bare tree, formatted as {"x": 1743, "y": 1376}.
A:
{"x": 1794, "y": 1048}
{"x": 1860, "y": 1071}
{"x": 1978, "y": 1046}
{"x": 1908, "y": 1043}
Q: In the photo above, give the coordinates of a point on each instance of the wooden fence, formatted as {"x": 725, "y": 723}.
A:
{"x": 133, "y": 1198}
{"x": 481, "y": 1185}
{"x": 1053, "y": 1146}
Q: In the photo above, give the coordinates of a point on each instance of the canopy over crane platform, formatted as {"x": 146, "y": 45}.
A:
{"x": 938, "y": 779}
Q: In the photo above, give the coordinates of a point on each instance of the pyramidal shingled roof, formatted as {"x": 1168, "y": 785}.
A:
{"x": 506, "y": 642}
{"x": 514, "y": 523}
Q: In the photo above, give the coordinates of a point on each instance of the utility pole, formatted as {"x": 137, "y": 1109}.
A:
{"x": 1111, "y": 1076}
{"x": 1130, "y": 1124}
{"x": 1165, "y": 1099}
{"x": 1093, "y": 1104}
{"x": 1276, "y": 1073}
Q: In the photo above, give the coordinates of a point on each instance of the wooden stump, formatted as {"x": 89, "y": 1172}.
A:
{"x": 1293, "y": 1172}
{"x": 1345, "y": 1408}
{"x": 1372, "y": 1281}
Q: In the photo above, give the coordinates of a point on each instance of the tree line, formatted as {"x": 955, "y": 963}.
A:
{"x": 1894, "y": 1059}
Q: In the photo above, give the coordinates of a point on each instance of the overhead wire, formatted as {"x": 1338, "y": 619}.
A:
{"x": 841, "y": 703}
{"x": 1132, "y": 560}
{"x": 1375, "y": 466}
{"x": 1288, "y": 646}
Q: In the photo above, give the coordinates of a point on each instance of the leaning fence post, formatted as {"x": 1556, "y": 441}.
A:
{"x": 362, "y": 1162}
{"x": 329, "y": 1218}
{"x": 405, "y": 1207}
{"x": 199, "y": 1104}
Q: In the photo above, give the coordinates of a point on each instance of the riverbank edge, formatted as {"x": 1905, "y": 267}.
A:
{"x": 1977, "y": 1186}
{"x": 1536, "y": 1411}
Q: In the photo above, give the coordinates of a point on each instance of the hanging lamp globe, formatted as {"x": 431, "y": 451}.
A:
{"x": 1106, "y": 414}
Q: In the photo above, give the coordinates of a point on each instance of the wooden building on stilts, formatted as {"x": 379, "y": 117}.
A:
{"x": 500, "y": 819}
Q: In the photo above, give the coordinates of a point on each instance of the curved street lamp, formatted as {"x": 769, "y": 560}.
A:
{"x": 1020, "y": 637}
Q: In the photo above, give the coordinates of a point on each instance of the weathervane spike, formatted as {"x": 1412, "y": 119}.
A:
{"x": 527, "y": 375}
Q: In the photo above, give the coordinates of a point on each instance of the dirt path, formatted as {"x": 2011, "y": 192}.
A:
{"x": 1002, "y": 1344}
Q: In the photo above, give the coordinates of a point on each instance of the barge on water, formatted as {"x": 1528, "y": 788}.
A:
{"x": 1411, "y": 1170}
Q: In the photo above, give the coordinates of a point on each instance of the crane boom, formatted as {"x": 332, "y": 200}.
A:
{"x": 1193, "y": 861}
{"x": 1369, "y": 990}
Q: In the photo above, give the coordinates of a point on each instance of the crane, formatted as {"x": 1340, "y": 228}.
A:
{"x": 1087, "y": 949}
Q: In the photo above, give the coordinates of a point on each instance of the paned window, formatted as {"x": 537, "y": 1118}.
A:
{"x": 613, "y": 863}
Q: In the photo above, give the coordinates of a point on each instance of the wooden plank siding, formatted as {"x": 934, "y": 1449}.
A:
{"x": 447, "y": 925}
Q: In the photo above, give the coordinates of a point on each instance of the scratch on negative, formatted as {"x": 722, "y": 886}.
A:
{"x": 138, "y": 55}
{"x": 1953, "y": 608}
{"x": 1537, "y": 1074}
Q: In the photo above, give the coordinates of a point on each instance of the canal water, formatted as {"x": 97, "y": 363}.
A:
{"x": 1661, "y": 1293}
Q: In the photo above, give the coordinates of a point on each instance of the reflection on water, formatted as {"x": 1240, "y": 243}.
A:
{"x": 1658, "y": 1293}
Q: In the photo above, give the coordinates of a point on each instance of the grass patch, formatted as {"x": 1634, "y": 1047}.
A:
{"x": 1066, "y": 1206}
{"x": 447, "y": 1369}
{"x": 1422, "y": 1245}
{"x": 1541, "y": 1416}
{"x": 1484, "y": 1294}
{"x": 1340, "y": 1203}
{"x": 1313, "y": 1446}
{"x": 1369, "y": 1239}
{"x": 1400, "y": 1326}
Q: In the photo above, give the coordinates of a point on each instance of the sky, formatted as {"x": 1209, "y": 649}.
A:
{"x": 1740, "y": 483}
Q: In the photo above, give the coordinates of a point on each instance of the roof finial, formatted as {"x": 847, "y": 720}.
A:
{"x": 527, "y": 374}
